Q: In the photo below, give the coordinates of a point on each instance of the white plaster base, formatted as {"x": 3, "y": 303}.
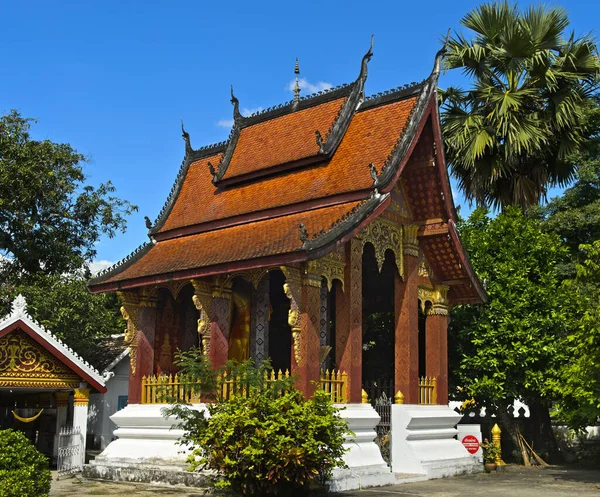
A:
{"x": 366, "y": 467}
{"x": 145, "y": 436}
{"x": 423, "y": 442}
{"x": 146, "y": 441}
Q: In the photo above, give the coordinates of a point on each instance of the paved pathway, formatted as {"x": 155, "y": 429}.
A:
{"x": 515, "y": 482}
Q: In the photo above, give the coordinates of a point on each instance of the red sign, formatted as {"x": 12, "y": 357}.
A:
{"x": 471, "y": 444}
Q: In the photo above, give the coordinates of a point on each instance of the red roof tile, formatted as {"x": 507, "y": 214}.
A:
{"x": 248, "y": 241}
{"x": 269, "y": 143}
{"x": 370, "y": 138}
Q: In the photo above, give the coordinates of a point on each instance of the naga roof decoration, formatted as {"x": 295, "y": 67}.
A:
{"x": 261, "y": 207}
{"x": 20, "y": 320}
{"x": 350, "y": 97}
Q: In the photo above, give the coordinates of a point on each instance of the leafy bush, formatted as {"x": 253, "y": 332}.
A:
{"x": 23, "y": 469}
{"x": 266, "y": 440}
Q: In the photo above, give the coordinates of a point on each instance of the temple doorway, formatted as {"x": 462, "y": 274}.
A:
{"x": 280, "y": 333}
{"x": 378, "y": 319}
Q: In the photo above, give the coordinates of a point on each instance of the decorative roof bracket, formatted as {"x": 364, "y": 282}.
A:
{"x": 355, "y": 99}
{"x": 186, "y": 137}
{"x": 418, "y": 111}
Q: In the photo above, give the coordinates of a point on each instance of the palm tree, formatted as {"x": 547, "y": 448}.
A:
{"x": 514, "y": 133}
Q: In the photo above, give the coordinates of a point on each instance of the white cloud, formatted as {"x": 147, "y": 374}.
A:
{"x": 247, "y": 112}
{"x": 97, "y": 266}
{"x": 307, "y": 87}
{"x": 225, "y": 123}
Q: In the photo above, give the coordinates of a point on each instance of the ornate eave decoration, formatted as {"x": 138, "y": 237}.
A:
{"x": 51, "y": 372}
{"x": 428, "y": 89}
{"x": 437, "y": 297}
{"x": 329, "y": 267}
{"x": 346, "y": 223}
{"x": 384, "y": 235}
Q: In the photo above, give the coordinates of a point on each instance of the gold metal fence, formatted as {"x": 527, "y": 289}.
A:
{"x": 335, "y": 383}
{"x": 166, "y": 389}
{"x": 163, "y": 389}
{"x": 427, "y": 390}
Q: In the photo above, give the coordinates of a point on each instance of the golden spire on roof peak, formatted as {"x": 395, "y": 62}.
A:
{"x": 297, "y": 84}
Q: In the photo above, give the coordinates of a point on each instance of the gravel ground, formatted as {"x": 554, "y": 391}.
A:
{"x": 514, "y": 482}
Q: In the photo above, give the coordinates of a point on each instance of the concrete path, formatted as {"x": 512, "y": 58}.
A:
{"x": 515, "y": 482}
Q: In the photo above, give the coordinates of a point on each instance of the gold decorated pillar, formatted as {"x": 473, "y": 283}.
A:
{"x": 406, "y": 355}
{"x": 139, "y": 310}
{"x": 213, "y": 300}
{"x": 303, "y": 288}
{"x": 436, "y": 342}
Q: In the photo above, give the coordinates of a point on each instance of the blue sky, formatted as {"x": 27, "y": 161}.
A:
{"x": 115, "y": 78}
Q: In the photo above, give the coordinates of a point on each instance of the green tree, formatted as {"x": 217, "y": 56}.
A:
{"x": 510, "y": 348}
{"x": 50, "y": 220}
{"x": 575, "y": 215}
{"x": 515, "y": 131}
{"x": 578, "y": 382}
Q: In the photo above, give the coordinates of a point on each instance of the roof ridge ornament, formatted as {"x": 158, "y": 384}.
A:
{"x": 329, "y": 144}
{"x": 186, "y": 138}
{"x": 428, "y": 90}
{"x": 297, "y": 84}
{"x": 365, "y": 61}
{"x": 237, "y": 116}
{"x": 440, "y": 55}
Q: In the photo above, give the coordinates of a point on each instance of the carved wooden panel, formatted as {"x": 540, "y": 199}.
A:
{"x": 25, "y": 363}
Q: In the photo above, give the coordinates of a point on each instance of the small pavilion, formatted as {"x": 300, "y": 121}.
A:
{"x": 44, "y": 384}
{"x": 284, "y": 241}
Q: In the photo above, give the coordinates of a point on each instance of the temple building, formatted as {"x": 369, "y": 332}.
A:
{"x": 285, "y": 240}
{"x": 44, "y": 385}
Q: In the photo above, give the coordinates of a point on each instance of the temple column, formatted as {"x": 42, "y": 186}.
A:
{"x": 406, "y": 355}
{"x": 80, "y": 412}
{"x": 348, "y": 318}
{"x": 259, "y": 344}
{"x": 62, "y": 404}
{"x": 214, "y": 303}
{"x": 436, "y": 343}
{"x": 140, "y": 313}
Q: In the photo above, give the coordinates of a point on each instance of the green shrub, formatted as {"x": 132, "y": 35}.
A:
{"x": 23, "y": 469}
{"x": 264, "y": 441}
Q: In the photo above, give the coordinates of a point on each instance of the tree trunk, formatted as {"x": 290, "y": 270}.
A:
{"x": 507, "y": 422}
{"x": 544, "y": 439}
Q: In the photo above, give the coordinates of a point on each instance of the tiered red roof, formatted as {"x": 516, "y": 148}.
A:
{"x": 328, "y": 162}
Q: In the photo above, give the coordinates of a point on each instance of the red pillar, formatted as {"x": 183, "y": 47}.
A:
{"x": 406, "y": 370}
{"x": 348, "y": 317}
{"x": 305, "y": 359}
{"x": 436, "y": 339}
{"x": 140, "y": 314}
{"x": 220, "y": 326}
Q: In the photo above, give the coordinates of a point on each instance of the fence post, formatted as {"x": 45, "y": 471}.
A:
{"x": 496, "y": 436}
{"x": 364, "y": 397}
{"x": 434, "y": 390}
{"x": 399, "y": 398}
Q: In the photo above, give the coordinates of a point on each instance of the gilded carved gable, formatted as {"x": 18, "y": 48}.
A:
{"x": 25, "y": 363}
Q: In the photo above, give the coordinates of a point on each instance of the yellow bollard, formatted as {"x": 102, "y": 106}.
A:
{"x": 364, "y": 397}
{"x": 496, "y": 433}
{"x": 399, "y": 398}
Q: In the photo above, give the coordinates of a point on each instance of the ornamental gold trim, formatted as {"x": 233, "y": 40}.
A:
{"x": 26, "y": 364}
{"x": 437, "y": 297}
{"x": 81, "y": 396}
{"x": 384, "y": 235}
{"x": 329, "y": 268}
{"x": 411, "y": 241}
{"x": 130, "y": 310}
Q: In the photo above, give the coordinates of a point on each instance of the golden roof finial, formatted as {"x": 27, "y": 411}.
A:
{"x": 297, "y": 85}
